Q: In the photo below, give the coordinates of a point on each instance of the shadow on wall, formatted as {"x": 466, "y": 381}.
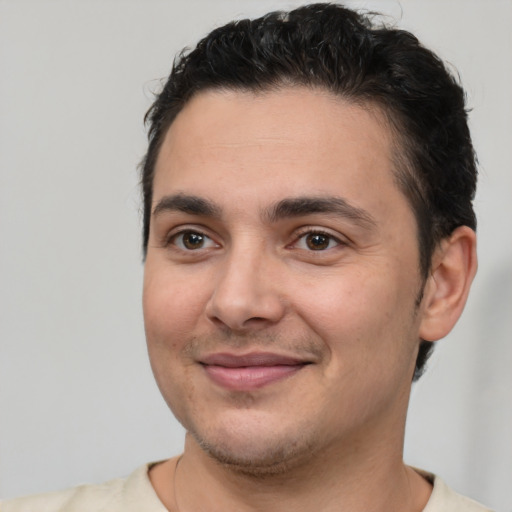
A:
{"x": 491, "y": 417}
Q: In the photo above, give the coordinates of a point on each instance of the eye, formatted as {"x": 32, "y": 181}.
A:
{"x": 192, "y": 240}
{"x": 317, "y": 241}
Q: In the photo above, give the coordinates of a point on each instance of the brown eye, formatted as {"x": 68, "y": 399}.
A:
{"x": 318, "y": 241}
{"x": 192, "y": 240}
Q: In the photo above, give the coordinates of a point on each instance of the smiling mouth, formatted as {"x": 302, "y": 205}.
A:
{"x": 250, "y": 371}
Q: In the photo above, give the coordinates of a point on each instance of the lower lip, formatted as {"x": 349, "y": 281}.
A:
{"x": 250, "y": 377}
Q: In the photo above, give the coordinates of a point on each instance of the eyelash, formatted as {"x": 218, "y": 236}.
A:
{"x": 311, "y": 231}
{"x": 172, "y": 239}
{"x": 301, "y": 236}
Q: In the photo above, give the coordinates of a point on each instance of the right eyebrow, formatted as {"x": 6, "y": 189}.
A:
{"x": 298, "y": 206}
{"x": 193, "y": 205}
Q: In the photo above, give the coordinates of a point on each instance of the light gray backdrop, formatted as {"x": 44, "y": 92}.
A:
{"x": 77, "y": 398}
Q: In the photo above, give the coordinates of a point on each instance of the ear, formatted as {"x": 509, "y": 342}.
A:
{"x": 454, "y": 264}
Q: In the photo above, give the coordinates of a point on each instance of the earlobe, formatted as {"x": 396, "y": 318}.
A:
{"x": 454, "y": 265}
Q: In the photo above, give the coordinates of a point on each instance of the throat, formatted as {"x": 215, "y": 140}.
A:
{"x": 195, "y": 481}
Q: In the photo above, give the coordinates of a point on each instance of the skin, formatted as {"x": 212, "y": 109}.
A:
{"x": 334, "y": 288}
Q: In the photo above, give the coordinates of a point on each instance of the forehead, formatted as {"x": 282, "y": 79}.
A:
{"x": 292, "y": 138}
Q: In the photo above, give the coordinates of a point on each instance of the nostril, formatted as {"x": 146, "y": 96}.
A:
{"x": 241, "y": 326}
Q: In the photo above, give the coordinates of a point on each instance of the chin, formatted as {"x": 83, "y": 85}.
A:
{"x": 259, "y": 454}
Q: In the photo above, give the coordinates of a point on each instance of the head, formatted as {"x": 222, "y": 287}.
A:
{"x": 308, "y": 222}
{"x": 363, "y": 62}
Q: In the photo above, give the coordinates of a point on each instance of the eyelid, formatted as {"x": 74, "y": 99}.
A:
{"x": 170, "y": 237}
{"x": 311, "y": 230}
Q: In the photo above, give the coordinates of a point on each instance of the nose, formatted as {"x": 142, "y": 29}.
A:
{"x": 246, "y": 294}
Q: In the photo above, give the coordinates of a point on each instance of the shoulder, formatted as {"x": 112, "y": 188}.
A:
{"x": 133, "y": 493}
{"x": 444, "y": 499}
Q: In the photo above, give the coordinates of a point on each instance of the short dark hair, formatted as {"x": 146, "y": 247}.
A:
{"x": 360, "y": 59}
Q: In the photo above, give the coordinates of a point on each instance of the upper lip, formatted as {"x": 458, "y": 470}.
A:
{"x": 229, "y": 360}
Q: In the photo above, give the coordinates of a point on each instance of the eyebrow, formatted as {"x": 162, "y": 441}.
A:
{"x": 192, "y": 205}
{"x": 286, "y": 208}
{"x": 299, "y": 206}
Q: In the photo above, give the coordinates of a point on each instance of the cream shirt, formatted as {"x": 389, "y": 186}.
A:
{"x": 136, "y": 494}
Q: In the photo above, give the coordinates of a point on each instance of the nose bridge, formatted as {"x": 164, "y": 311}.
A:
{"x": 245, "y": 291}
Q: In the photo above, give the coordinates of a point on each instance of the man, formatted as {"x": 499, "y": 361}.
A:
{"x": 308, "y": 234}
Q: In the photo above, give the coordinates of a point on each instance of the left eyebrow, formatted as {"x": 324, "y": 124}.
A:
{"x": 300, "y": 206}
{"x": 193, "y": 205}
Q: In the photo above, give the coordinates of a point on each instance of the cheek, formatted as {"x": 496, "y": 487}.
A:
{"x": 361, "y": 316}
{"x": 171, "y": 311}
{"x": 173, "y": 304}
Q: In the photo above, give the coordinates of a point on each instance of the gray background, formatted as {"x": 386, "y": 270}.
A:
{"x": 77, "y": 398}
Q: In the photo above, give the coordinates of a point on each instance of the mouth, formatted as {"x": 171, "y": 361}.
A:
{"x": 250, "y": 371}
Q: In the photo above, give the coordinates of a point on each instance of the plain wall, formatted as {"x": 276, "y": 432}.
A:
{"x": 77, "y": 398}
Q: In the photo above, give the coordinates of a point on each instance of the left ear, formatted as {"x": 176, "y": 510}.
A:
{"x": 454, "y": 264}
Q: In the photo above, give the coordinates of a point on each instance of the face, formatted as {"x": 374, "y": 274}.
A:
{"x": 281, "y": 277}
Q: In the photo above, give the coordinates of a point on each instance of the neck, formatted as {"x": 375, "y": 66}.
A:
{"x": 358, "y": 479}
